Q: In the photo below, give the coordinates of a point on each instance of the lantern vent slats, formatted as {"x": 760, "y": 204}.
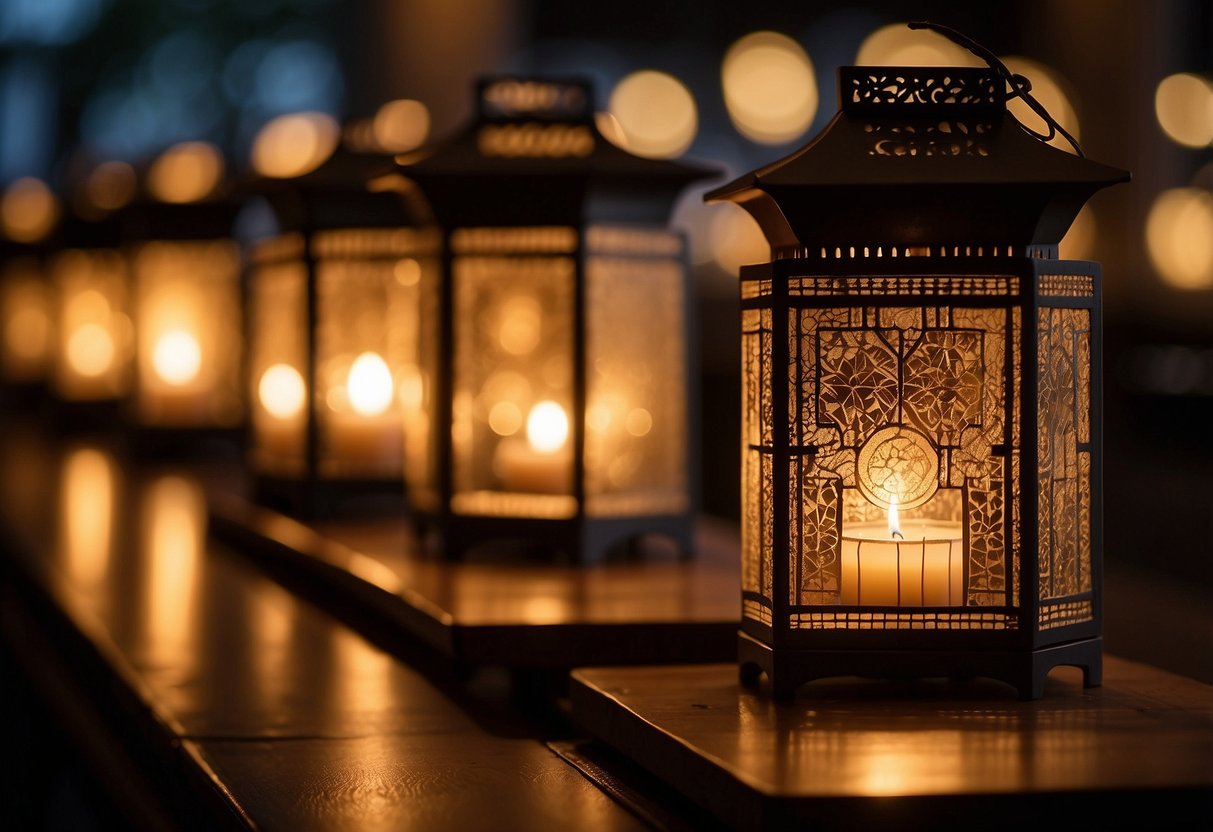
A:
{"x": 283, "y": 247}
{"x": 527, "y": 240}
{"x": 926, "y": 619}
{"x": 929, "y": 138}
{"x": 374, "y": 242}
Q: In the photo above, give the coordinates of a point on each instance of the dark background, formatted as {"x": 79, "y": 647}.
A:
{"x": 84, "y": 80}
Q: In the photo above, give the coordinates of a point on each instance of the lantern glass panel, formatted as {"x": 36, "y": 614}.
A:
{"x": 419, "y": 393}
{"x": 367, "y": 287}
{"x": 635, "y": 431}
{"x": 512, "y": 437}
{"x": 278, "y": 356}
{"x": 187, "y": 296}
{"x": 95, "y": 339}
{"x": 25, "y": 321}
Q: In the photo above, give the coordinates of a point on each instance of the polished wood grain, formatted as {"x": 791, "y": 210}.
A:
{"x": 848, "y": 753}
{"x": 517, "y": 615}
{"x": 236, "y": 702}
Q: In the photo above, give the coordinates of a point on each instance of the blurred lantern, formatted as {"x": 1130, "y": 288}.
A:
{"x": 553, "y": 401}
{"x": 334, "y": 306}
{"x": 186, "y": 298}
{"x": 93, "y": 338}
{"x": 921, "y": 424}
{"x": 28, "y": 215}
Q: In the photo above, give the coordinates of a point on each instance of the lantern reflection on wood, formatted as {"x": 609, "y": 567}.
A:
{"x": 187, "y": 297}
{"x": 555, "y": 403}
{"x": 334, "y": 306}
{"x": 921, "y": 468}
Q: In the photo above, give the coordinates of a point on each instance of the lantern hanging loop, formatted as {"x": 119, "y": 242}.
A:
{"x": 1020, "y": 86}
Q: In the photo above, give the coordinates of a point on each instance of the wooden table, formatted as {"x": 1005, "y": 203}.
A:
{"x": 204, "y": 695}
{"x": 849, "y": 754}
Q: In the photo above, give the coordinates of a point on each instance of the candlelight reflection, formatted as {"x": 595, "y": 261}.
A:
{"x": 86, "y": 502}
{"x": 173, "y": 530}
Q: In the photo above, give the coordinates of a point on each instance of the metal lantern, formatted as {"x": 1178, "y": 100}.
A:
{"x": 921, "y": 394}
{"x": 333, "y": 318}
{"x": 554, "y": 403}
{"x": 186, "y": 300}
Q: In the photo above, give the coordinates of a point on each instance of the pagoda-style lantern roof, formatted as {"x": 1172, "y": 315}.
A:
{"x": 920, "y": 157}
{"x": 533, "y": 155}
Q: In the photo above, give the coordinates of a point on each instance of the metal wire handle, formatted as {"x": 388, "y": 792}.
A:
{"x": 1020, "y": 86}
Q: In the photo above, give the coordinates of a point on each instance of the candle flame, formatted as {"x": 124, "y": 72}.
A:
{"x": 177, "y": 357}
{"x": 547, "y": 427}
{"x": 369, "y": 385}
{"x": 281, "y": 391}
{"x": 894, "y": 521}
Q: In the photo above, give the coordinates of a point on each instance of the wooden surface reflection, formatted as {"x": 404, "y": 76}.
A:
{"x": 518, "y": 615}
{"x": 845, "y": 748}
{"x": 285, "y": 718}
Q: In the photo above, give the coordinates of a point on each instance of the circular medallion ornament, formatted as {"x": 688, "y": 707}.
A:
{"x": 899, "y": 464}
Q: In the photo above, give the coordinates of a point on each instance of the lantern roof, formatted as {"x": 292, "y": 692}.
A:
{"x": 533, "y": 154}
{"x": 920, "y": 156}
{"x": 350, "y": 188}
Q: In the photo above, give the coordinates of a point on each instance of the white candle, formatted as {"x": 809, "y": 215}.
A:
{"x": 370, "y": 436}
{"x": 542, "y": 463}
{"x": 917, "y": 564}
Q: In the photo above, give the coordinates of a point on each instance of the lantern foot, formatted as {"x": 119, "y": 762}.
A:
{"x": 1026, "y": 671}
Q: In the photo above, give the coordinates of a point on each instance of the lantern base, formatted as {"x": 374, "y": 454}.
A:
{"x": 787, "y": 670}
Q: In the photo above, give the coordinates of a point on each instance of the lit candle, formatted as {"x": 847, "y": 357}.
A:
{"x": 172, "y": 387}
{"x": 369, "y": 435}
{"x": 281, "y": 394}
{"x": 888, "y": 564}
{"x": 542, "y": 463}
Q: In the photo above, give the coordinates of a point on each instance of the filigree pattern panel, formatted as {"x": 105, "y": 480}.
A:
{"x": 987, "y": 542}
{"x": 1063, "y": 459}
{"x": 755, "y": 352}
{"x": 858, "y": 382}
{"x": 815, "y": 505}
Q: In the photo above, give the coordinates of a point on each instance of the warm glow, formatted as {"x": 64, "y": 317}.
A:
{"x": 369, "y": 385}
{"x": 27, "y": 330}
{"x": 186, "y": 172}
{"x": 401, "y": 125}
{"x": 175, "y": 527}
{"x": 656, "y": 113}
{"x": 28, "y": 210}
{"x": 177, "y": 357}
{"x": 110, "y": 186}
{"x": 407, "y": 271}
{"x": 90, "y": 350}
{"x": 505, "y": 419}
{"x": 547, "y": 427}
{"x": 1179, "y": 236}
{"x": 1047, "y": 88}
{"x": 1184, "y": 106}
{"x": 521, "y": 319}
{"x": 638, "y": 422}
{"x": 770, "y": 88}
{"x": 281, "y": 391}
{"x": 293, "y": 144}
{"x": 87, "y": 506}
{"x": 894, "y": 520}
{"x": 735, "y": 239}
{"x": 898, "y": 45}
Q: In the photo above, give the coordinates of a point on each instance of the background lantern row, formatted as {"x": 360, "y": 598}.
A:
{"x": 518, "y": 356}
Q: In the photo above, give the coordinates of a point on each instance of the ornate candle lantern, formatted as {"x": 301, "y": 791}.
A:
{"x": 921, "y": 405}
{"x": 186, "y": 298}
{"x": 28, "y": 214}
{"x": 333, "y": 317}
{"x": 554, "y": 410}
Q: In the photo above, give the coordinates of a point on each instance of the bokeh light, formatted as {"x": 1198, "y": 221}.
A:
{"x": 1179, "y": 237}
{"x": 186, "y": 172}
{"x": 281, "y": 391}
{"x": 735, "y": 239}
{"x": 294, "y": 144}
{"x": 401, "y": 125}
{"x": 770, "y": 88}
{"x": 177, "y": 357}
{"x": 1048, "y": 89}
{"x": 656, "y": 113}
{"x": 1079, "y": 242}
{"x": 1183, "y": 104}
{"x": 110, "y": 185}
{"x": 898, "y": 45}
{"x": 28, "y": 210}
